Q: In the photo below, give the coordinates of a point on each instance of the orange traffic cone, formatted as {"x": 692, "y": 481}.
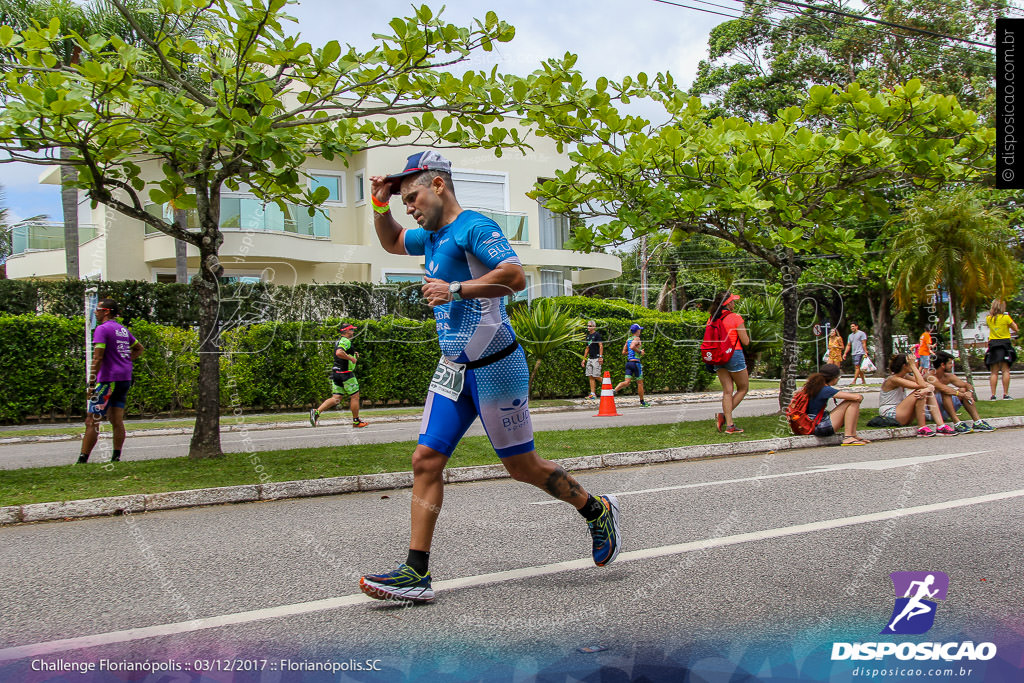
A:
{"x": 607, "y": 407}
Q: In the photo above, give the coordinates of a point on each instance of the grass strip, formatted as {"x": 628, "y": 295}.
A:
{"x": 77, "y": 429}
{"x": 93, "y": 480}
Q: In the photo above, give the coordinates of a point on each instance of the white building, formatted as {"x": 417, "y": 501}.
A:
{"x": 288, "y": 247}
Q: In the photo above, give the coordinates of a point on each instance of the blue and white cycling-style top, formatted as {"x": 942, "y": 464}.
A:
{"x": 465, "y": 249}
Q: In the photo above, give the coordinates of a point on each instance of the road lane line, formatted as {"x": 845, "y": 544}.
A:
{"x": 817, "y": 469}
{"x": 64, "y": 645}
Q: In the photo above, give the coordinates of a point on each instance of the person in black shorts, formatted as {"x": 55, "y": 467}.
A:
{"x": 110, "y": 377}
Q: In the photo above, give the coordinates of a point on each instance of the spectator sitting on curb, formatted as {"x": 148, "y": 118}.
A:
{"x": 820, "y": 387}
{"x": 955, "y": 393}
{"x": 896, "y": 404}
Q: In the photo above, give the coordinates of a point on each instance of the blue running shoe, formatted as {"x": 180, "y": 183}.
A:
{"x": 982, "y": 426}
{"x": 403, "y": 584}
{"x": 605, "y": 532}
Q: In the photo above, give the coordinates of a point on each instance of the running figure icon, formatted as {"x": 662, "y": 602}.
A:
{"x": 916, "y": 593}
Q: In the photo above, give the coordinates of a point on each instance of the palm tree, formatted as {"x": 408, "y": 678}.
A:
{"x": 953, "y": 239}
{"x": 542, "y": 329}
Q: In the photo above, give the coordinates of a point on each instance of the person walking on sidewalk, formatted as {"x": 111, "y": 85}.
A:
{"x": 593, "y": 357}
{"x": 733, "y": 376}
{"x": 835, "y": 347}
{"x": 343, "y": 379}
{"x": 856, "y": 348}
{"x": 114, "y": 352}
{"x": 1000, "y": 354}
{"x": 895, "y": 403}
{"x": 924, "y": 351}
{"x": 954, "y": 393}
{"x": 482, "y": 371}
{"x": 633, "y": 351}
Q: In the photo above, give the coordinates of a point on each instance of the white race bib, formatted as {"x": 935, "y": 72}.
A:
{"x": 448, "y": 379}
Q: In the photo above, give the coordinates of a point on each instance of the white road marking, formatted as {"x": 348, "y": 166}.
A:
{"x": 866, "y": 465}
{"x": 50, "y": 647}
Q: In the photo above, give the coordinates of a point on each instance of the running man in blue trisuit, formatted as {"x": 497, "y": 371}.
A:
{"x": 482, "y": 372}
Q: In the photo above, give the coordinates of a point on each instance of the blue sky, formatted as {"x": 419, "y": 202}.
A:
{"x": 612, "y": 39}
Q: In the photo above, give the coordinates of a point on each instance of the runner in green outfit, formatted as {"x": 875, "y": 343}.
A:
{"x": 343, "y": 379}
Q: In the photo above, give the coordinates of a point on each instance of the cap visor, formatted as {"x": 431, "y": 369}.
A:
{"x": 396, "y": 180}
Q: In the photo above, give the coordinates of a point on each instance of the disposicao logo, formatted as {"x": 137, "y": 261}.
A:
{"x": 914, "y": 614}
{"x": 916, "y": 592}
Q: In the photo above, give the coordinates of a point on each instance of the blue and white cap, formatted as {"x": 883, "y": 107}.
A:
{"x": 417, "y": 163}
{"x": 634, "y": 328}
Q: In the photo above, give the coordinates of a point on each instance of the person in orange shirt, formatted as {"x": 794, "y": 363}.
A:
{"x": 924, "y": 351}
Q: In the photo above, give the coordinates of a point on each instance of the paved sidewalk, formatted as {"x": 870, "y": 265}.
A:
{"x": 116, "y": 505}
{"x": 253, "y": 422}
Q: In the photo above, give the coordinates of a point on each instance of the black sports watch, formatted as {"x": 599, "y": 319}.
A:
{"x": 455, "y": 289}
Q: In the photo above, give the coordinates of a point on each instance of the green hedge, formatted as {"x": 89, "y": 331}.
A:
{"x": 274, "y": 366}
{"x": 178, "y": 304}
{"x": 671, "y": 360}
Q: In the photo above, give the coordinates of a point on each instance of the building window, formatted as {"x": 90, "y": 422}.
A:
{"x": 245, "y": 213}
{"x": 478, "y": 190}
{"x": 554, "y": 229}
{"x": 360, "y": 178}
{"x": 552, "y": 282}
{"x": 402, "y": 277}
{"x": 334, "y": 182}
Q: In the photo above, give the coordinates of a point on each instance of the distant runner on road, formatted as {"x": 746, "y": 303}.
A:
{"x": 343, "y": 379}
{"x": 482, "y": 372}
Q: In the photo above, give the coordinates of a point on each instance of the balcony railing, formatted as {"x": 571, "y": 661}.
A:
{"x": 241, "y": 213}
{"x": 43, "y": 236}
{"x": 515, "y": 225}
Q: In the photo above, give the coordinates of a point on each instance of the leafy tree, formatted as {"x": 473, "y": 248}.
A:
{"x": 99, "y": 17}
{"x": 954, "y": 239}
{"x": 543, "y": 328}
{"x": 766, "y": 60}
{"x": 247, "y": 105}
{"x": 779, "y": 191}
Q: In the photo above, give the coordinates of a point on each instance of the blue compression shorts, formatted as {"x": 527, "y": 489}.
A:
{"x": 499, "y": 394}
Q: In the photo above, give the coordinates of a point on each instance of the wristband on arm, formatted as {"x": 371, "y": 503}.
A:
{"x": 378, "y": 206}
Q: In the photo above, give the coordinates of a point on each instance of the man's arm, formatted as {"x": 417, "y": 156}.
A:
{"x": 506, "y": 279}
{"x": 864, "y": 343}
{"x": 389, "y": 232}
{"x": 341, "y": 353}
{"x": 137, "y": 350}
{"x": 600, "y": 351}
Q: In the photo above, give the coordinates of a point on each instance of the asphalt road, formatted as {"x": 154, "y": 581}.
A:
{"x": 138, "y": 447}
{"x": 752, "y": 564}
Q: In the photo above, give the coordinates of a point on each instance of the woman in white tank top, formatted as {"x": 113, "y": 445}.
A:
{"x": 905, "y": 392}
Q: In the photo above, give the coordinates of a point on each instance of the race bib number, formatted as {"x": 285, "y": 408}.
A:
{"x": 448, "y": 379}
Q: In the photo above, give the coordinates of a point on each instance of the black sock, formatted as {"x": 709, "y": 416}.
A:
{"x": 418, "y": 560}
{"x": 83, "y": 458}
{"x": 592, "y": 509}
{"x": 116, "y": 456}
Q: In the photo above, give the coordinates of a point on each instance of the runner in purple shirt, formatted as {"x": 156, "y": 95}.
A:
{"x": 110, "y": 377}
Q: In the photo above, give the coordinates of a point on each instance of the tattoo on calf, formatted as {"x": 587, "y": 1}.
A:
{"x": 561, "y": 485}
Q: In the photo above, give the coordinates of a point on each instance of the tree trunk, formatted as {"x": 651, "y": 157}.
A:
{"x": 881, "y": 324}
{"x": 533, "y": 373}
{"x": 206, "y": 434}
{"x": 958, "y": 334}
{"x": 790, "y": 343}
{"x": 180, "y": 248}
{"x": 69, "y": 205}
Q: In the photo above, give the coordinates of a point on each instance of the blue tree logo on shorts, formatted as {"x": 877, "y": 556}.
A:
{"x": 913, "y": 612}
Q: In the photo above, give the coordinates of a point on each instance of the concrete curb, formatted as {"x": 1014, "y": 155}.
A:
{"x": 242, "y": 426}
{"x": 116, "y": 505}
